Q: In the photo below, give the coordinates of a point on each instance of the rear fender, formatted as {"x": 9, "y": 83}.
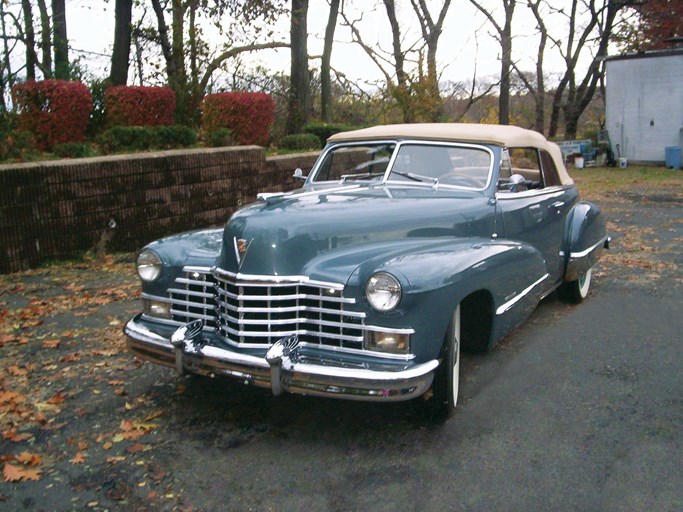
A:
{"x": 585, "y": 239}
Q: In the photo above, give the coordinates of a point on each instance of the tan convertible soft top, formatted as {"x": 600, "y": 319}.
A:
{"x": 501, "y": 135}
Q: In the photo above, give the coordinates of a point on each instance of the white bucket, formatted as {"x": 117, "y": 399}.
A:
{"x": 623, "y": 162}
{"x": 578, "y": 162}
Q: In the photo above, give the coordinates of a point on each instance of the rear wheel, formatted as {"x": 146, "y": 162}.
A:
{"x": 444, "y": 393}
{"x": 576, "y": 291}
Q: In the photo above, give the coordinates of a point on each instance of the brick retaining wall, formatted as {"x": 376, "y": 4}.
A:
{"x": 58, "y": 209}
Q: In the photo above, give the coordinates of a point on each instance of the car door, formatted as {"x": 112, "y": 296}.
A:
{"x": 535, "y": 212}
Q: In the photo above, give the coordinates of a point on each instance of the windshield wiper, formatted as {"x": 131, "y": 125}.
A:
{"x": 416, "y": 177}
{"x": 361, "y": 175}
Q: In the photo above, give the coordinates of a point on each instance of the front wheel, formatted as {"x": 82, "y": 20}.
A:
{"x": 576, "y": 291}
{"x": 443, "y": 396}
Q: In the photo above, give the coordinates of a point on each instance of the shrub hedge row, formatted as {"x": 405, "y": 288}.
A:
{"x": 55, "y": 114}
{"x": 54, "y": 111}
{"x": 248, "y": 115}
{"x": 139, "y": 106}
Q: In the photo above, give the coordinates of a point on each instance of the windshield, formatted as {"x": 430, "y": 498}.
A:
{"x": 431, "y": 163}
{"x": 355, "y": 161}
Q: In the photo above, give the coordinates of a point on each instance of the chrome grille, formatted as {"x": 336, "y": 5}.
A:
{"x": 259, "y": 310}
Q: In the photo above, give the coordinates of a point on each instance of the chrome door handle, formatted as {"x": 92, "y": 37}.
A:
{"x": 557, "y": 204}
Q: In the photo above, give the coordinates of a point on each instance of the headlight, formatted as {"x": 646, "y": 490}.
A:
{"x": 383, "y": 291}
{"x": 149, "y": 265}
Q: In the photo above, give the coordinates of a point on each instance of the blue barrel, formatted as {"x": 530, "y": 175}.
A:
{"x": 672, "y": 157}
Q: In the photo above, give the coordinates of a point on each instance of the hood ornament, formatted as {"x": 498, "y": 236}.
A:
{"x": 241, "y": 248}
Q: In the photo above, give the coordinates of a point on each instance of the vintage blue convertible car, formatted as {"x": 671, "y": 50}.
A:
{"x": 405, "y": 244}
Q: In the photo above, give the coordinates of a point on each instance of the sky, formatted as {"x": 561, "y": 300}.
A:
{"x": 465, "y": 45}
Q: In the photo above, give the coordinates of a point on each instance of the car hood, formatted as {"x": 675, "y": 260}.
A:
{"x": 285, "y": 235}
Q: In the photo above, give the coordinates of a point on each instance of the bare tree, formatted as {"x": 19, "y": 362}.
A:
{"x": 431, "y": 31}
{"x": 325, "y": 75}
{"x": 122, "y": 38}
{"x": 537, "y": 90}
{"x": 175, "y": 49}
{"x": 574, "y": 94}
{"x": 416, "y": 97}
{"x": 299, "y": 74}
{"x": 29, "y": 40}
{"x": 60, "y": 40}
{"x": 504, "y": 36}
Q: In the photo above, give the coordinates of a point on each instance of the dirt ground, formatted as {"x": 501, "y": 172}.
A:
{"x": 580, "y": 409}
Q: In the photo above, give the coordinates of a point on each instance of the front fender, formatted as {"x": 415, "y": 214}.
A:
{"x": 585, "y": 239}
{"x": 198, "y": 248}
{"x": 437, "y": 274}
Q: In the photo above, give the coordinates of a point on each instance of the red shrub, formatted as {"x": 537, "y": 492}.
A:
{"x": 249, "y": 115}
{"x": 54, "y": 111}
{"x": 139, "y": 106}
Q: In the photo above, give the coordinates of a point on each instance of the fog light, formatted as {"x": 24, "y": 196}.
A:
{"x": 157, "y": 308}
{"x": 387, "y": 342}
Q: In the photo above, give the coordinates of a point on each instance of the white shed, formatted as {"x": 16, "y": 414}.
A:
{"x": 644, "y": 104}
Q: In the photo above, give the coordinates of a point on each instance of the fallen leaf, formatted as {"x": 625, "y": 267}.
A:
{"x": 17, "y": 371}
{"x": 107, "y": 445}
{"x": 136, "y": 448}
{"x": 13, "y": 473}
{"x": 70, "y": 358}
{"x": 29, "y": 459}
{"x": 51, "y": 344}
{"x": 115, "y": 459}
{"x": 11, "y": 435}
{"x": 57, "y": 399}
{"x": 79, "y": 458}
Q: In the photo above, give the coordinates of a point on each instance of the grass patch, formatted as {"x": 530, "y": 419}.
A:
{"x": 597, "y": 182}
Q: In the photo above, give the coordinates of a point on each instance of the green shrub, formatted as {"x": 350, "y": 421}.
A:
{"x": 126, "y": 138}
{"x": 16, "y": 145}
{"x": 325, "y": 130}
{"x": 301, "y": 141}
{"x": 72, "y": 150}
{"x": 174, "y": 136}
{"x": 219, "y": 138}
{"x": 143, "y": 138}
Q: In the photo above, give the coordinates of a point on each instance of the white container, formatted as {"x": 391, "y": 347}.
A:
{"x": 578, "y": 162}
{"x": 623, "y": 162}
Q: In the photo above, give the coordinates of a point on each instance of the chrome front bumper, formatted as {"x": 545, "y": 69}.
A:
{"x": 282, "y": 368}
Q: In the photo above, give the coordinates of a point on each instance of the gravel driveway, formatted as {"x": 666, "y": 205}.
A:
{"x": 579, "y": 409}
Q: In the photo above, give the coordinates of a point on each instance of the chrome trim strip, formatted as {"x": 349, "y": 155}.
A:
{"x": 271, "y": 298}
{"x": 293, "y": 320}
{"x": 291, "y": 332}
{"x": 188, "y": 314}
{"x": 505, "y": 307}
{"x": 292, "y": 309}
{"x": 182, "y": 291}
{"x": 586, "y": 252}
{"x": 554, "y": 191}
{"x": 259, "y": 280}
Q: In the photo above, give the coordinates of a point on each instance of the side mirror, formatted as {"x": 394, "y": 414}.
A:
{"x": 299, "y": 174}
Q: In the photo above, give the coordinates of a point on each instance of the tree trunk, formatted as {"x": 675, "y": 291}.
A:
{"x": 60, "y": 40}
{"x": 401, "y": 92}
{"x": 505, "y": 65}
{"x": 505, "y": 40}
{"x": 325, "y": 78}
{"x": 299, "y": 77}
{"x": 122, "y": 36}
{"x": 30, "y": 40}
{"x": 45, "y": 40}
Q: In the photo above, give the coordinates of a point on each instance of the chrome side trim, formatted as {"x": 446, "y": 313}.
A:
{"x": 586, "y": 252}
{"x": 505, "y": 307}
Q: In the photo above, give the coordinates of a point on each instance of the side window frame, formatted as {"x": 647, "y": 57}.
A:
{"x": 550, "y": 176}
